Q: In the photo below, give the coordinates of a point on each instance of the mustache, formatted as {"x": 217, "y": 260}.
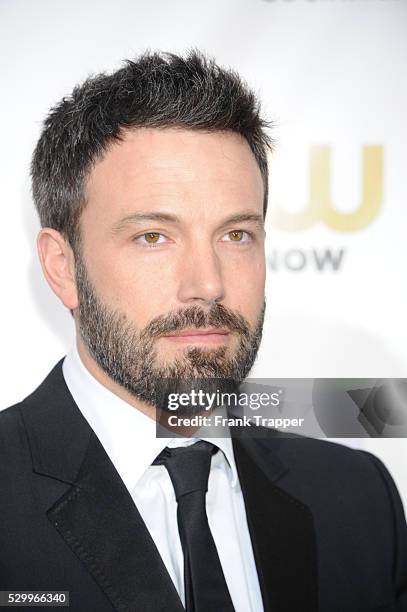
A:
{"x": 218, "y": 316}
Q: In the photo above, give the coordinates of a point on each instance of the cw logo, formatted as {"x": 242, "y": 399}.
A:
{"x": 320, "y": 207}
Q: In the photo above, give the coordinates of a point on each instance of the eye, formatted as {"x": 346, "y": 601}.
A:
{"x": 238, "y": 236}
{"x": 150, "y": 238}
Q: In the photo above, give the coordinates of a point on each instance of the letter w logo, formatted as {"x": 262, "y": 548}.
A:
{"x": 320, "y": 207}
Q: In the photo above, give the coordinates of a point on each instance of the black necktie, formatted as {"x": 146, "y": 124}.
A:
{"x": 205, "y": 585}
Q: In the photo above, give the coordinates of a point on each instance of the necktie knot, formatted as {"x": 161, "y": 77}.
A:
{"x": 188, "y": 466}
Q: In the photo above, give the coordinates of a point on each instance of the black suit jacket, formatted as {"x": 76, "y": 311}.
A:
{"x": 326, "y": 522}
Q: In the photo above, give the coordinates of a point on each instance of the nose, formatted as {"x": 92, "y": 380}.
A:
{"x": 201, "y": 277}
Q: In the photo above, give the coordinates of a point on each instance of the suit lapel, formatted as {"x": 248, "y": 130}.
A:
{"x": 96, "y": 516}
{"x": 281, "y": 529}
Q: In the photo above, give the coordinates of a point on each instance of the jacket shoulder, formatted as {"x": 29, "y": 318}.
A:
{"x": 15, "y": 457}
{"x": 335, "y": 464}
{"x": 10, "y": 423}
{"x": 13, "y": 432}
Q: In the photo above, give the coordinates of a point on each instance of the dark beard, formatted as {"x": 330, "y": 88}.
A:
{"x": 129, "y": 356}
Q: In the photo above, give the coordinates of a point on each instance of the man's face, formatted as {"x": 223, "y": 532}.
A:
{"x": 172, "y": 245}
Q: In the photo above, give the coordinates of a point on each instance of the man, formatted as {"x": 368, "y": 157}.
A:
{"x": 151, "y": 187}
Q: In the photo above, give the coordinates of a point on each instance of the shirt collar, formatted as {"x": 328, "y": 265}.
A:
{"x": 127, "y": 434}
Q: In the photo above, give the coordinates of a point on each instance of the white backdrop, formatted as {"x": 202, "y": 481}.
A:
{"x": 331, "y": 73}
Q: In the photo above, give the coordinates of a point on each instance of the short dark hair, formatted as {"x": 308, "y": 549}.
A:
{"x": 154, "y": 90}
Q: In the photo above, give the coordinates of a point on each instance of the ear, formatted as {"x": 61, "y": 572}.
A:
{"x": 58, "y": 265}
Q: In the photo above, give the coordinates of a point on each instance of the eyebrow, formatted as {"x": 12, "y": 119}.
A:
{"x": 140, "y": 217}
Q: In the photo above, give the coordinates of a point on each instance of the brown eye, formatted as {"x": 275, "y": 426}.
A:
{"x": 151, "y": 237}
{"x": 236, "y": 235}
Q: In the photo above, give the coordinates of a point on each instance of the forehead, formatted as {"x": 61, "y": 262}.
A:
{"x": 152, "y": 166}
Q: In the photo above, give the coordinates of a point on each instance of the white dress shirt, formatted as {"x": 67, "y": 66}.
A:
{"x": 129, "y": 438}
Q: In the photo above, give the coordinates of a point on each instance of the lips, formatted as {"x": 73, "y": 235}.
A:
{"x": 199, "y": 332}
{"x": 208, "y": 336}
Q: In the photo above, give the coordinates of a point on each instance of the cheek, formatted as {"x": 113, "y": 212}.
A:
{"x": 139, "y": 288}
{"x": 247, "y": 271}
{"x": 245, "y": 286}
